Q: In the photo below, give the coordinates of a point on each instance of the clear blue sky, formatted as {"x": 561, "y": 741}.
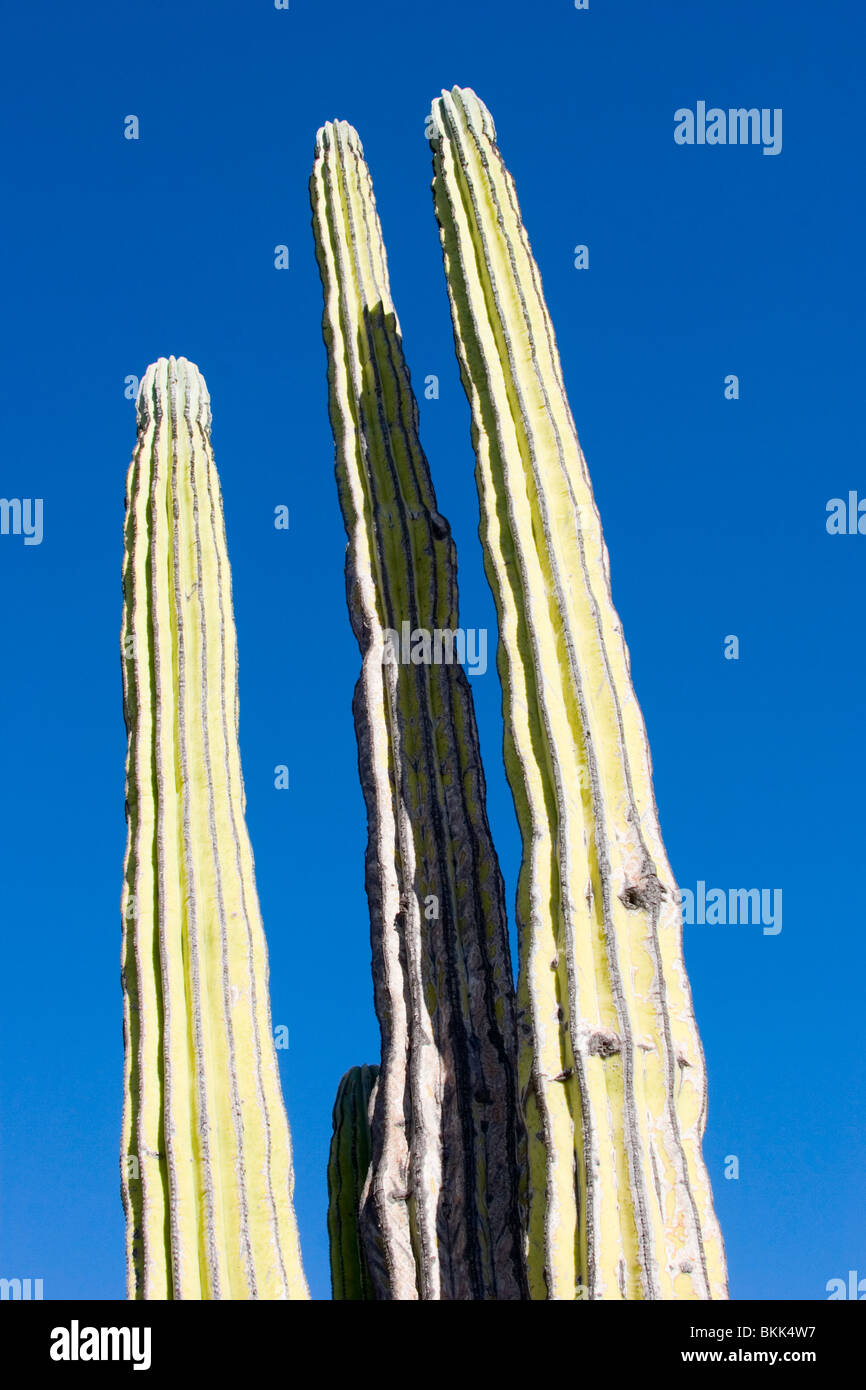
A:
{"x": 703, "y": 262}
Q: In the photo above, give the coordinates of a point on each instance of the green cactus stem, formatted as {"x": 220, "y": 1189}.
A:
{"x": 440, "y": 1216}
{"x": 348, "y": 1166}
{"x": 207, "y": 1164}
{"x": 612, "y": 1069}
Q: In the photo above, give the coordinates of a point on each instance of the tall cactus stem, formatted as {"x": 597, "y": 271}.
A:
{"x": 612, "y": 1069}
{"x": 207, "y": 1165}
{"x": 440, "y": 1214}
{"x": 348, "y": 1165}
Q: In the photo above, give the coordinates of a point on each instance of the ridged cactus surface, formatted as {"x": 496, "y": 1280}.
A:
{"x": 440, "y": 1217}
{"x": 611, "y": 1064}
{"x": 348, "y": 1165}
{"x": 207, "y": 1171}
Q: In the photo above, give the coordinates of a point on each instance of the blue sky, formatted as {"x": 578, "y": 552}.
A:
{"x": 704, "y": 261}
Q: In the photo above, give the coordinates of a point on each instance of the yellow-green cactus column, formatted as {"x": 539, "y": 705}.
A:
{"x": 348, "y": 1166}
{"x": 207, "y": 1165}
{"x": 612, "y": 1071}
{"x": 440, "y": 1213}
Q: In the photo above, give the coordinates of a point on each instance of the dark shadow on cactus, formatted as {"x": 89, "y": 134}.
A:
{"x": 458, "y": 989}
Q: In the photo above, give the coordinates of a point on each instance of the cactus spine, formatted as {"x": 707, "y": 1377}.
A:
{"x": 612, "y": 1070}
{"x": 348, "y": 1165}
{"x": 207, "y": 1174}
{"x": 439, "y": 1215}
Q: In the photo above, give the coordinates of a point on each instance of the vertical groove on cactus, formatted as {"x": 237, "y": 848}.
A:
{"x": 440, "y": 1214}
{"x": 207, "y": 1180}
{"x": 348, "y": 1165}
{"x": 612, "y": 1070}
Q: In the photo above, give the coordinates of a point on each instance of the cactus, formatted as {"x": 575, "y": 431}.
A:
{"x": 207, "y": 1171}
{"x": 440, "y": 1213}
{"x": 348, "y": 1166}
{"x": 612, "y": 1071}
